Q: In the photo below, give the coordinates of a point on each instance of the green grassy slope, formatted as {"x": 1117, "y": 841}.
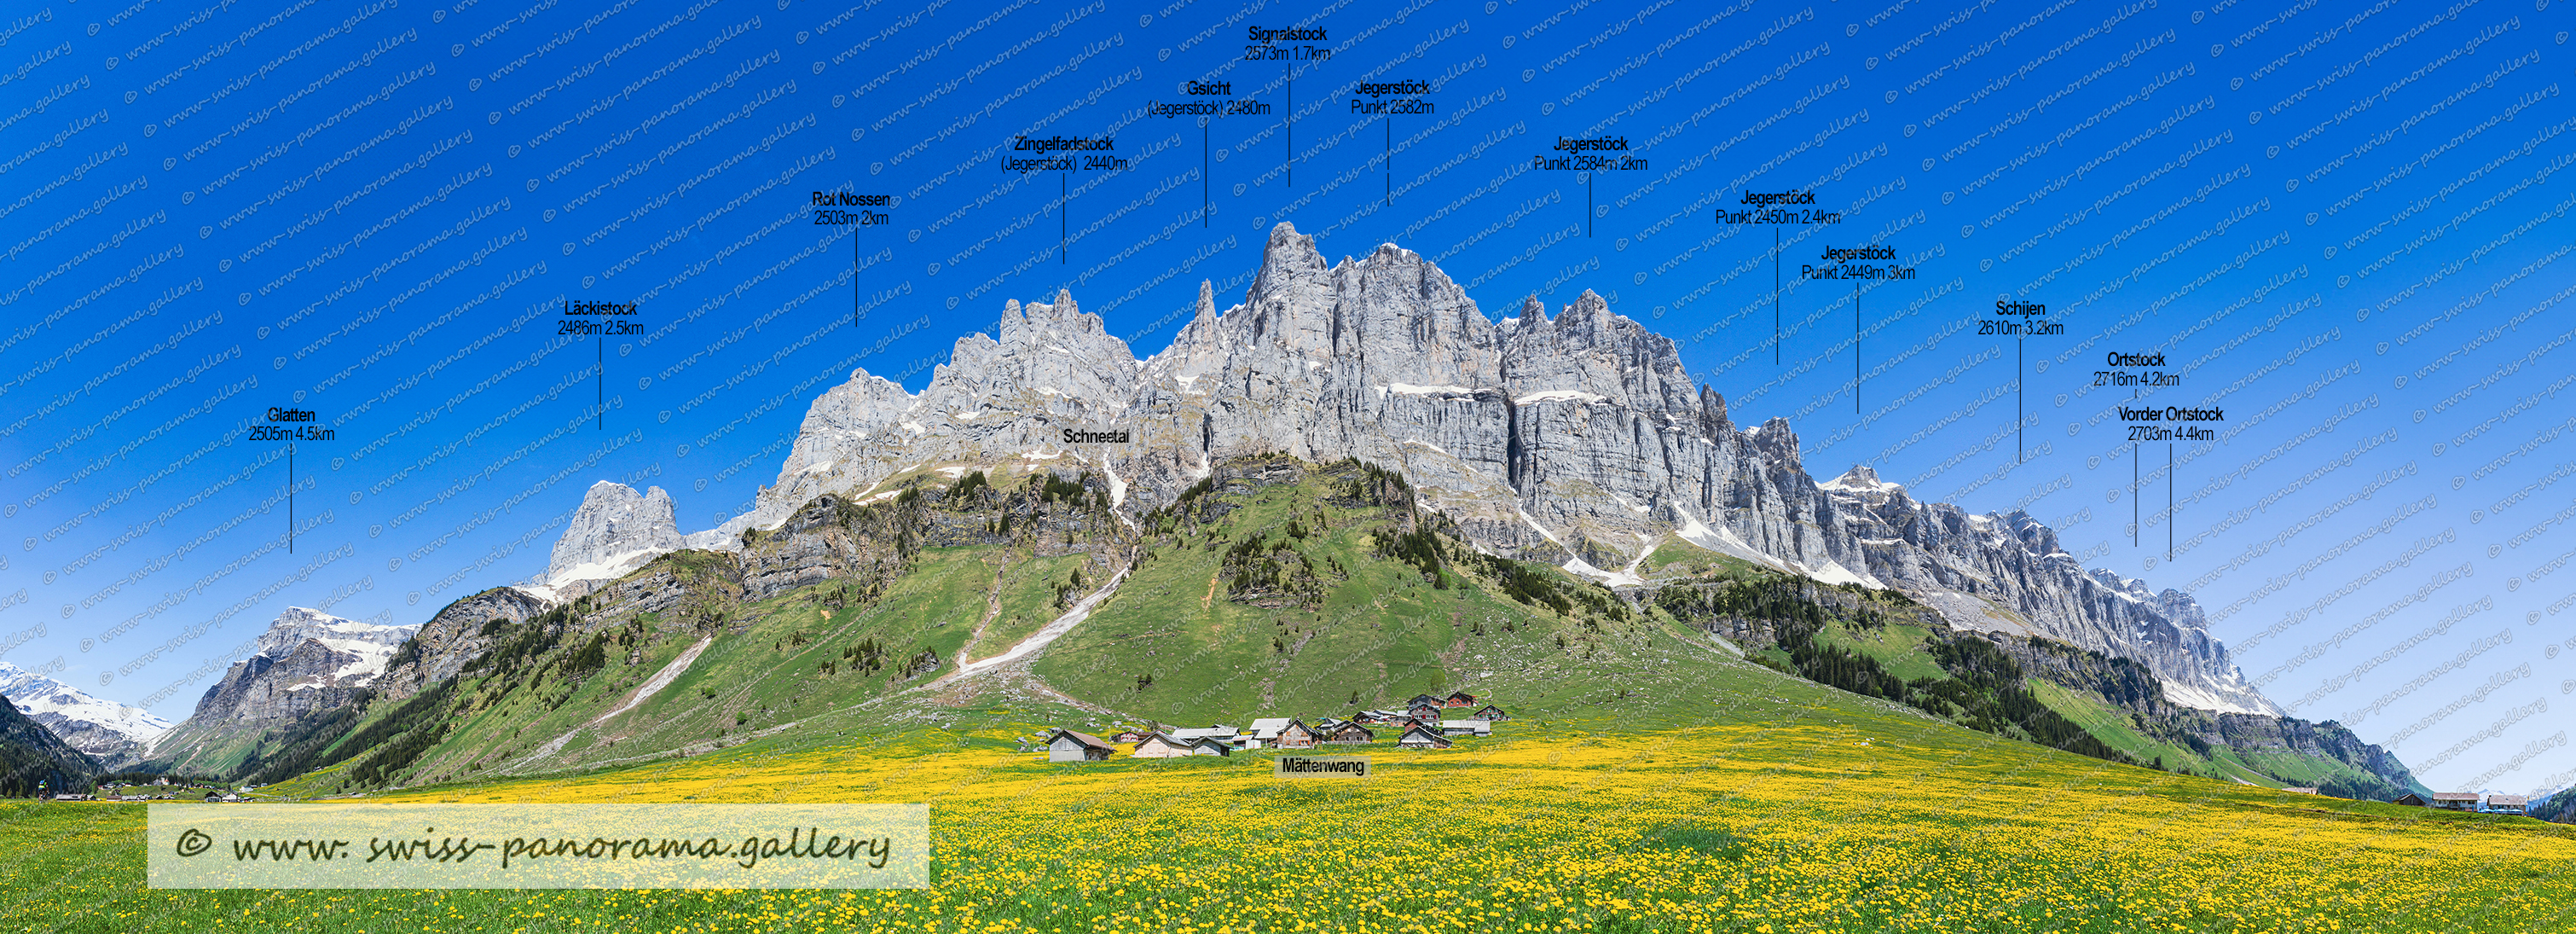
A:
{"x": 569, "y": 690}
{"x": 1717, "y": 796}
{"x": 2113, "y": 727}
{"x": 1334, "y": 593}
{"x": 1278, "y": 588}
{"x": 1307, "y": 596}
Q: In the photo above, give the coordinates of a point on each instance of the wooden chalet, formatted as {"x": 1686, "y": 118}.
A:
{"x": 2508, "y": 804}
{"x": 1160, "y": 745}
{"x": 1421, "y": 737}
{"x": 2455, "y": 800}
{"x": 1492, "y": 714}
{"x": 1459, "y": 699}
{"x": 1420, "y": 699}
{"x": 1070, "y": 746}
{"x": 1466, "y": 728}
{"x": 1212, "y": 746}
{"x": 1349, "y": 734}
{"x": 1281, "y": 733}
{"x": 1422, "y": 711}
{"x": 1127, "y": 736}
{"x": 1295, "y": 736}
{"x": 2412, "y": 800}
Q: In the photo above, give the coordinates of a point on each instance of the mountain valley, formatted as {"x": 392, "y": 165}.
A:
{"x": 1349, "y": 488}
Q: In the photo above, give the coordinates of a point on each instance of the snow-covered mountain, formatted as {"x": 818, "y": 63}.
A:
{"x": 308, "y": 661}
{"x": 110, "y": 732}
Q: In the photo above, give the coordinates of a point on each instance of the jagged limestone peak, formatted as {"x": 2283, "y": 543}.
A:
{"x": 1579, "y": 436}
{"x": 615, "y": 530}
{"x": 1859, "y": 477}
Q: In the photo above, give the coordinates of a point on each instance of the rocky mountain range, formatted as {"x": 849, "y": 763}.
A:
{"x": 308, "y": 662}
{"x": 1578, "y": 440}
{"x": 113, "y": 734}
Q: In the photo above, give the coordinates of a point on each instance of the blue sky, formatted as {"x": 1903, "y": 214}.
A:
{"x": 2342, "y": 224}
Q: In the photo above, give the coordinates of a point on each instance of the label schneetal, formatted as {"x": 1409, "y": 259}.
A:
{"x": 1096, "y": 436}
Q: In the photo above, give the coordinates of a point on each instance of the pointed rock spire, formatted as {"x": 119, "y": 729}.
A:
{"x": 615, "y": 530}
{"x": 1589, "y": 312}
{"x": 1014, "y": 322}
{"x": 1288, "y": 252}
{"x": 1533, "y": 312}
{"x": 1776, "y": 439}
{"x": 1860, "y": 475}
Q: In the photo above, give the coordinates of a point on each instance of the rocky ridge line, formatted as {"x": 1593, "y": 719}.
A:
{"x": 1578, "y": 440}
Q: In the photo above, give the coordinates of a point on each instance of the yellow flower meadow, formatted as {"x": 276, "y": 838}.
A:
{"x": 1757, "y": 829}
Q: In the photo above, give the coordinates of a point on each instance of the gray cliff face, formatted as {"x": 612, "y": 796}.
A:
{"x": 1578, "y": 440}
{"x": 2007, "y": 573}
{"x": 454, "y": 637}
{"x": 615, "y": 530}
{"x": 1054, "y": 368}
{"x": 298, "y": 625}
{"x": 308, "y": 661}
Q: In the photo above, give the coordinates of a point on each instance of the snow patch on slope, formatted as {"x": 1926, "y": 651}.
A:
{"x": 1621, "y": 578}
{"x": 1558, "y": 395}
{"x": 1722, "y": 540}
{"x": 609, "y": 568}
{"x": 1832, "y": 572}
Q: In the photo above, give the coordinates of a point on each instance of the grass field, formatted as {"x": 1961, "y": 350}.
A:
{"x": 1750, "y": 802}
{"x": 1649, "y": 779}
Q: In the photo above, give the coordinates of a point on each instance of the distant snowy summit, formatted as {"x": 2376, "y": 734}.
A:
{"x": 110, "y": 732}
{"x": 367, "y": 645}
{"x": 307, "y": 661}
